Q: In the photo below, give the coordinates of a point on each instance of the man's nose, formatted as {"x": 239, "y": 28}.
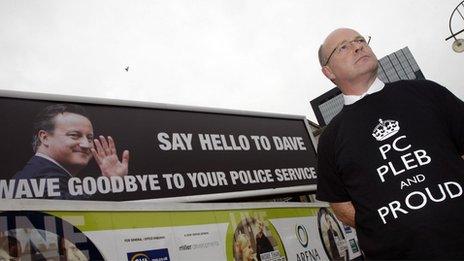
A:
{"x": 357, "y": 46}
{"x": 85, "y": 143}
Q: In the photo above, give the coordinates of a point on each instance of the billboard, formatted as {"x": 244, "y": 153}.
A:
{"x": 96, "y": 149}
{"x": 123, "y": 231}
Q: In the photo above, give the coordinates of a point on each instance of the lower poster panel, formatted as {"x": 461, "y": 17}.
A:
{"x": 266, "y": 234}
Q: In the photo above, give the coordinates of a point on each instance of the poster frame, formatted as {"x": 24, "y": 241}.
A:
{"x": 171, "y": 107}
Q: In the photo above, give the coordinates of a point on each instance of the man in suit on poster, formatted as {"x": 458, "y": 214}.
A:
{"x": 64, "y": 143}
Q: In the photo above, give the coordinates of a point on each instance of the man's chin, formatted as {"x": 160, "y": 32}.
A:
{"x": 366, "y": 62}
{"x": 81, "y": 162}
{"x": 369, "y": 67}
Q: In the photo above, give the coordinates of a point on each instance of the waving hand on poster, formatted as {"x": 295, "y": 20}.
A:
{"x": 106, "y": 156}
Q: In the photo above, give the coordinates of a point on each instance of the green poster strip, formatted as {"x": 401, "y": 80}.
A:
{"x": 182, "y": 218}
{"x": 110, "y": 220}
{"x": 223, "y": 216}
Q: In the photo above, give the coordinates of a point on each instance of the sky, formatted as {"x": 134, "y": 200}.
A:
{"x": 252, "y": 55}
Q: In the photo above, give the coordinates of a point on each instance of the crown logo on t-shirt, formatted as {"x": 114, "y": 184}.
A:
{"x": 385, "y": 129}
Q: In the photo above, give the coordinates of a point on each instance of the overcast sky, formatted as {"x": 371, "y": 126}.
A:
{"x": 258, "y": 55}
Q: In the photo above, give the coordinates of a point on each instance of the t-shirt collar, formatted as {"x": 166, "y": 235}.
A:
{"x": 52, "y": 160}
{"x": 376, "y": 86}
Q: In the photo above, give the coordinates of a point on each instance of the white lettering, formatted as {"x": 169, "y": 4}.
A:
{"x": 453, "y": 190}
{"x": 456, "y": 185}
{"x": 406, "y": 161}
{"x": 163, "y": 138}
{"x": 422, "y": 157}
{"x": 205, "y": 142}
{"x": 443, "y": 195}
{"x": 382, "y": 170}
{"x": 383, "y": 212}
{"x": 421, "y": 205}
{"x": 154, "y": 182}
{"x": 395, "y": 146}
{"x": 396, "y": 206}
{"x": 384, "y": 149}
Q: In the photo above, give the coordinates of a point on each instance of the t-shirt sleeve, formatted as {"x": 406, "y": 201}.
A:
{"x": 330, "y": 186}
{"x": 452, "y": 109}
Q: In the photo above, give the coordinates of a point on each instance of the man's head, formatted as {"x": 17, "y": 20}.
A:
{"x": 328, "y": 220}
{"x": 260, "y": 224}
{"x": 64, "y": 133}
{"x": 347, "y": 60}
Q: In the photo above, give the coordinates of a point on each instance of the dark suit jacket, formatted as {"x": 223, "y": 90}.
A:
{"x": 40, "y": 168}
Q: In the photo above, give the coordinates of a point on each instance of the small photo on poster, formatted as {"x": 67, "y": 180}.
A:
{"x": 255, "y": 239}
{"x": 332, "y": 237}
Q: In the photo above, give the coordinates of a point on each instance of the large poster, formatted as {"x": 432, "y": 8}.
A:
{"x": 233, "y": 232}
{"x": 75, "y": 148}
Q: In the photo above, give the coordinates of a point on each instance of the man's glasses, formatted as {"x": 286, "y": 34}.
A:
{"x": 345, "y": 46}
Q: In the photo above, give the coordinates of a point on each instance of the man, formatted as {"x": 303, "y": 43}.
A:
{"x": 263, "y": 244}
{"x": 333, "y": 238}
{"x": 63, "y": 143}
{"x": 390, "y": 163}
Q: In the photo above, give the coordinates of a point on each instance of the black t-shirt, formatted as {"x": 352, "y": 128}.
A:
{"x": 396, "y": 155}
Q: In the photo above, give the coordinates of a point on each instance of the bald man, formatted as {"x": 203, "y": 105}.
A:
{"x": 390, "y": 163}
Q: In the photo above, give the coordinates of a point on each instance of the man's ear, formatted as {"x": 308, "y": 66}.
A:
{"x": 43, "y": 137}
{"x": 328, "y": 73}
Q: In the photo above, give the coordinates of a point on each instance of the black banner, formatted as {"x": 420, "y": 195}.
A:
{"x": 159, "y": 152}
